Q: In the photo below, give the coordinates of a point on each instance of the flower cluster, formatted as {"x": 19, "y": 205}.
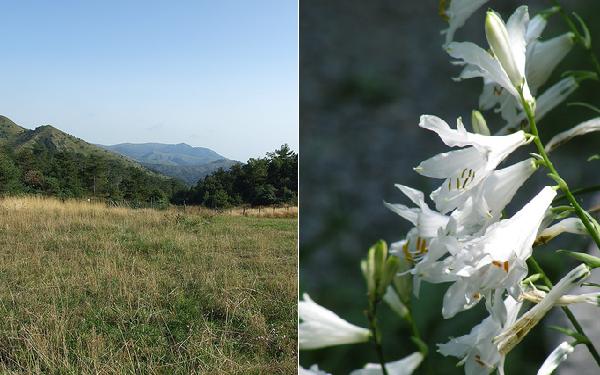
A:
{"x": 464, "y": 237}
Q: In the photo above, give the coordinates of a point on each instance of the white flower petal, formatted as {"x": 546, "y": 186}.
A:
{"x": 513, "y": 334}
{"x": 427, "y": 221}
{"x": 569, "y": 225}
{"x": 452, "y": 163}
{"x": 313, "y": 370}
{"x": 391, "y": 298}
{"x": 586, "y": 127}
{"x": 458, "y": 12}
{"x": 476, "y": 350}
{"x": 319, "y": 327}
{"x": 544, "y": 56}
{"x": 409, "y": 213}
{"x": 416, "y": 196}
{"x": 516, "y": 27}
{"x": 463, "y": 169}
{"x": 552, "y": 97}
{"x": 535, "y": 28}
{"x": 492, "y": 196}
{"x": 536, "y": 296}
{"x": 489, "y": 67}
{"x": 404, "y": 366}
{"x": 557, "y": 356}
{"x": 458, "y": 298}
{"x": 496, "y": 260}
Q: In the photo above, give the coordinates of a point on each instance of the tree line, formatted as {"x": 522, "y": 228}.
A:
{"x": 42, "y": 170}
{"x": 272, "y": 180}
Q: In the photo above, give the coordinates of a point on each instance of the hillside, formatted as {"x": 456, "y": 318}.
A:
{"x": 191, "y": 174}
{"x": 49, "y": 161}
{"x": 166, "y": 154}
{"x": 180, "y": 161}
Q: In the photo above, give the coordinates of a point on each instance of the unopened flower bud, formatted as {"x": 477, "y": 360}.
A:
{"x": 497, "y": 37}
{"x": 478, "y": 123}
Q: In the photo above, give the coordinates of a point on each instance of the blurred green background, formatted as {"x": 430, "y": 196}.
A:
{"x": 368, "y": 70}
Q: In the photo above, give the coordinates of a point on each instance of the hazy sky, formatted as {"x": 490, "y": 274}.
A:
{"x": 218, "y": 74}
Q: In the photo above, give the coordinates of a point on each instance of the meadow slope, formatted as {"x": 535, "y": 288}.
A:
{"x": 90, "y": 289}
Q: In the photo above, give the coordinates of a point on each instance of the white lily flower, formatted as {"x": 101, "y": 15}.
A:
{"x": 427, "y": 224}
{"x": 557, "y": 356}
{"x": 458, "y": 12}
{"x": 496, "y": 261}
{"x": 493, "y": 194}
{"x": 569, "y": 225}
{"x": 542, "y": 58}
{"x": 319, "y": 327}
{"x": 476, "y": 350}
{"x": 404, "y": 366}
{"x": 506, "y": 67}
{"x": 313, "y": 370}
{"x": 424, "y": 256}
{"x": 513, "y": 334}
{"x": 463, "y": 169}
{"x": 546, "y": 102}
{"x": 494, "y": 95}
{"x": 427, "y": 221}
{"x": 586, "y": 127}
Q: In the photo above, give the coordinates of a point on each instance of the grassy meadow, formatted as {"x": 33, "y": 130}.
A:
{"x": 87, "y": 289}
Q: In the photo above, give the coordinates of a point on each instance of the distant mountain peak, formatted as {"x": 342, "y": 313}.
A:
{"x": 180, "y": 160}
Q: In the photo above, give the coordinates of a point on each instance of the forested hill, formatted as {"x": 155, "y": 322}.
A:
{"x": 180, "y": 161}
{"x": 271, "y": 180}
{"x": 48, "y": 161}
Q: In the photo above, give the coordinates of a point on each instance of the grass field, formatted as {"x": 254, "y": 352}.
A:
{"x": 90, "y": 289}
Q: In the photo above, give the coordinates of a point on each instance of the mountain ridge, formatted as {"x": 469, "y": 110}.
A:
{"x": 181, "y": 161}
{"x": 49, "y": 161}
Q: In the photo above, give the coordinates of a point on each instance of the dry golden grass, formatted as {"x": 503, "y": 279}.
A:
{"x": 265, "y": 212}
{"x": 86, "y": 289}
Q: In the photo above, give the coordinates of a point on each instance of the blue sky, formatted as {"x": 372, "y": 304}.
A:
{"x": 217, "y": 74}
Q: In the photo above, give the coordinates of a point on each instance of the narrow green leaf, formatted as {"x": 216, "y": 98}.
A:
{"x": 590, "y": 260}
{"x": 580, "y": 75}
{"x": 586, "y": 38}
{"x": 585, "y": 105}
{"x": 569, "y": 332}
{"x": 594, "y": 157}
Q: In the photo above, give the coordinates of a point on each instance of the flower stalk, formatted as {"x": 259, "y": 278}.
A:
{"x": 376, "y": 334}
{"x": 583, "y": 215}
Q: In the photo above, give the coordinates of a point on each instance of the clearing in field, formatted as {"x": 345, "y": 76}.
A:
{"x": 89, "y": 289}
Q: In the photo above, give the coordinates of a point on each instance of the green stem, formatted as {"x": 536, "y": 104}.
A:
{"x": 413, "y": 326}
{"x": 583, "y": 215}
{"x": 533, "y": 264}
{"x": 589, "y": 189}
{"x": 372, "y": 316}
{"x": 575, "y": 31}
